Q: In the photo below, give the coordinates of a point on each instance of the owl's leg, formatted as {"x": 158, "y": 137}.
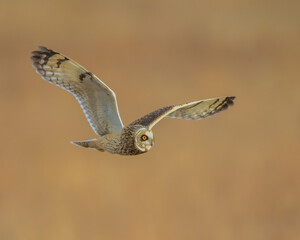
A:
{"x": 93, "y": 144}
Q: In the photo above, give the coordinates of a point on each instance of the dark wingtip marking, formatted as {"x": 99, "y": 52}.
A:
{"x": 61, "y": 60}
{"x": 36, "y": 53}
{"x": 42, "y": 53}
{"x": 228, "y": 101}
{"x": 46, "y": 51}
{"x": 214, "y": 103}
{"x": 35, "y": 58}
{"x": 43, "y": 48}
{"x": 37, "y": 65}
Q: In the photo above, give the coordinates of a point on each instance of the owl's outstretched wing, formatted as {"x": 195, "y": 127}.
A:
{"x": 189, "y": 111}
{"x": 97, "y": 100}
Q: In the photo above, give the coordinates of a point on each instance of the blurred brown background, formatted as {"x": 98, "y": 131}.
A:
{"x": 233, "y": 176}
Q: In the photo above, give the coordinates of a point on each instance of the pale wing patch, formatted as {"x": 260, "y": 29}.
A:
{"x": 97, "y": 100}
{"x": 201, "y": 109}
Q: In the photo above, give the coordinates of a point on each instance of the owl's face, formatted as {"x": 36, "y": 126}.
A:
{"x": 144, "y": 139}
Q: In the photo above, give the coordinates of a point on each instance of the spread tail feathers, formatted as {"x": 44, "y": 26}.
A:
{"x": 88, "y": 144}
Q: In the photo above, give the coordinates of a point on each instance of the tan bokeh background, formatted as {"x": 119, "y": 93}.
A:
{"x": 233, "y": 176}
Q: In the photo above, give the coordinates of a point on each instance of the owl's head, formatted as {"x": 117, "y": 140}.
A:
{"x": 144, "y": 139}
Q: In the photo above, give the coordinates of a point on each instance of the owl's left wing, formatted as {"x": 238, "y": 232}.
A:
{"x": 189, "y": 111}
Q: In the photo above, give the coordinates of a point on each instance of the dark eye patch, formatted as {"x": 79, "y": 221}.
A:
{"x": 144, "y": 137}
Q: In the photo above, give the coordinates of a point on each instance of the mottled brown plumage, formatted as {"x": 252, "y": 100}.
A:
{"x": 99, "y": 105}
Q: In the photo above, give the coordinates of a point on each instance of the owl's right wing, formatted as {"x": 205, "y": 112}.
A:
{"x": 96, "y": 99}
{"x": 188, "y": 111}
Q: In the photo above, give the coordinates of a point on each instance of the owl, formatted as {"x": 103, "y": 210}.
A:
{"x": 99, "y": 105}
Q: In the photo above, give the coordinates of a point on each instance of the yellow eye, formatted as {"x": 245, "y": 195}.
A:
{"x": 144, "y": 138}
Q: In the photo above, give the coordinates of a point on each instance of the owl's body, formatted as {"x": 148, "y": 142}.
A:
{"x": 99, "y": 104}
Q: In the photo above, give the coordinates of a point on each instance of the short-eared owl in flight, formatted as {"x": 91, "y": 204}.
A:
{"x": 99, "y": 105}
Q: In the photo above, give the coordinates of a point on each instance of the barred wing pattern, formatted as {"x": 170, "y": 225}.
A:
{"x": 189, "y": 111}
{"x": 97, "y": 100}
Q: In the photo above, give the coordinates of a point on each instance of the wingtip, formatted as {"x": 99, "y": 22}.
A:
{"x": 230, "y": 100}
{"x": 40, "y": 56}
{"x": 40, "y": 47}
{"x": 42, "y": 50}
